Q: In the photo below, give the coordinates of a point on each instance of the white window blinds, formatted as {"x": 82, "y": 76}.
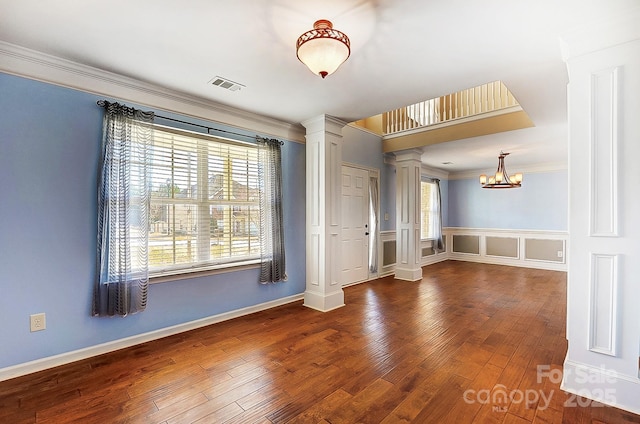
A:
{"x": 204, "y": 202}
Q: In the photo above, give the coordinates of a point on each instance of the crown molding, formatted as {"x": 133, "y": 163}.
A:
{"x": 365, "y": 130}
{"x": 526, "y": 169}
{"x": 434, "y": 172}
{"x": 324, "y": 123}
{"x": 390, "y": 159}
{"x": 427, "y": 171}
{"x": 50, "y": 69}
{"x": 601, "y": 34}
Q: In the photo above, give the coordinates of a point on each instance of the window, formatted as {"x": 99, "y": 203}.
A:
{"x": 204, "y": 202}
{"x": 428, "y": 219}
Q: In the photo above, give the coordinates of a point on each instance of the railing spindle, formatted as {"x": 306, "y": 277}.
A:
{"x": 466, "y": 103}
{"x": 492, "y": 97}
{"x": 483, "y": 96}
{"x": 476, "y": 100}
{"x": 457, "y": 104}
{"x": 403, "y": 118}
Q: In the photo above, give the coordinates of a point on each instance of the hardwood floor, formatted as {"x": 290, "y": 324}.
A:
{"x": 442, "y": 350}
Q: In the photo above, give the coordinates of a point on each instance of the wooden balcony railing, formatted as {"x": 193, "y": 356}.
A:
{"x": 489, "y": 97}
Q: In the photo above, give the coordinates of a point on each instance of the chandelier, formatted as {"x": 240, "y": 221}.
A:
{"x": 323, "y": 49}
{"x": 501, "y": 179}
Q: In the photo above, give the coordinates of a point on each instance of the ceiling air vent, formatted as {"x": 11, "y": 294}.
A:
{"x": 226, "y": 84}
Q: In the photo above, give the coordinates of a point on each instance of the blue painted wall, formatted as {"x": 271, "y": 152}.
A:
{"x": 540, "y": 204}
{"x": 365, "y": 149}
{"x": 49, "y": 147}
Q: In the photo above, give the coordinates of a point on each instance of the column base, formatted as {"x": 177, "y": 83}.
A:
{"x": 599, "y": 385}
{"x": 324, "y": 302}
{"x": 408, "y": 274}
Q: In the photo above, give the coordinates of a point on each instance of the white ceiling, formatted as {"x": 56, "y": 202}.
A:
{"x": 403, "y": 51}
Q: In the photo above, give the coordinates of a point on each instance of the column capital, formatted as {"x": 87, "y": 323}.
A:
{"x": 410, "y": 154}
{"x": 324, "y": 123}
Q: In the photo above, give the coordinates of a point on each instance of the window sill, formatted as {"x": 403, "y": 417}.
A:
{"x": 218, "y": 269}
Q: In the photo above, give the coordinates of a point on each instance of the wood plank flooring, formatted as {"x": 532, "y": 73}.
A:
{"x": 442, "y": 350}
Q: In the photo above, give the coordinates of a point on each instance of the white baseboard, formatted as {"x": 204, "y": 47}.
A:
{"x": 88, "y": 352}
{"x": 600, "y": 385}
{"x": 435, "y": 258}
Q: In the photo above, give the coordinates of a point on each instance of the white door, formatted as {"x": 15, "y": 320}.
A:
{"x": 355, "y": 218}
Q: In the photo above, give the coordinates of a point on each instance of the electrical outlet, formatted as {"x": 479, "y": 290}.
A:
{"x": 38, "y": 322}
{"x": 559, "y": 253}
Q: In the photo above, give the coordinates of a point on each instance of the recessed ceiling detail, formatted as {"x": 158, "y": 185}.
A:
{"x": 226, "y": 84}
{"x": 486, "y": 109}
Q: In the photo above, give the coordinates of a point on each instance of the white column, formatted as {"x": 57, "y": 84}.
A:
{"x": 603, "y": 323}
{"x": 408, "y": 166}
{"x": 324, "y": 162}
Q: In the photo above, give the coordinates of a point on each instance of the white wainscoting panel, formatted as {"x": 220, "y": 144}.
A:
{"x": 554, "y": 241}
{"x": 466, "y": 244}
{"x": 604, "y": 153}
{"x": 313, "y": 270}
{"x": 388, "y": 252}
{"x": 603, "y": 299}
{"x": 404, "y": 252}
{"x": 404, "y": 200}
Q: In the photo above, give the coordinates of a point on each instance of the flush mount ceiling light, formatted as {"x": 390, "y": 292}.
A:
{"x": 323, "y": 49}
{"x": 501, "y": 179}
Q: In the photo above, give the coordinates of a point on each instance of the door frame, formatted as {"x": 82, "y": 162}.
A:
{"x": 372, "y": 172}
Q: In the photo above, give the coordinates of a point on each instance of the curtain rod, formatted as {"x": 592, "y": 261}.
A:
{"x": 103, "y": 103}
